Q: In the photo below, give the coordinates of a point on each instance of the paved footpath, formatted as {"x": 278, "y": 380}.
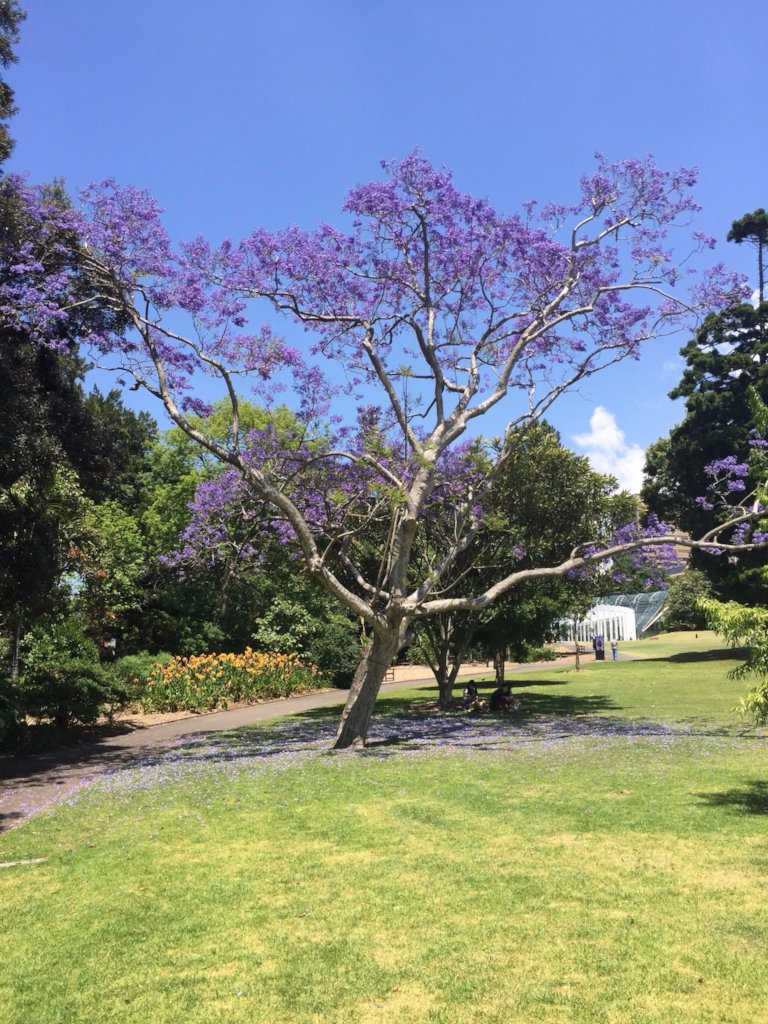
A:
{"x": 29, "y": 784}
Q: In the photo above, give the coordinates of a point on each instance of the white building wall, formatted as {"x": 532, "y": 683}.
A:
{"x": 607, "y": 620}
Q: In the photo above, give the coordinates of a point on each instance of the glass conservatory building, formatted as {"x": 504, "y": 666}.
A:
{"x": 618, "y": 617}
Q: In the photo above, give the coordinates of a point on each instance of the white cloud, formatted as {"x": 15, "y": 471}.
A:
{"x": 608, "y": 452}
{"x": 672, "y": 369}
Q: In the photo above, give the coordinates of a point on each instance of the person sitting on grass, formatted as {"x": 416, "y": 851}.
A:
{"x": 502, "y": 700}
{"x": 471, "y": 697}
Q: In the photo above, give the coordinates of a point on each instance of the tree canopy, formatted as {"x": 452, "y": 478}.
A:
{"x": 725, "y": 360}
{"x": 432, "y": 310}
{"x": 11, "y": 17}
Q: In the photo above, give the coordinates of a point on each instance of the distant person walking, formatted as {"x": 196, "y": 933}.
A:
{"x": 614, "y": 650}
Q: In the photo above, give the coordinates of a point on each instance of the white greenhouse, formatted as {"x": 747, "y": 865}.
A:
{"x": 610, "y": 621}
{"x": 619, "y": 617}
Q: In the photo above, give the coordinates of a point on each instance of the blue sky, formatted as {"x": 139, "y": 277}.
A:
{"x": 243, "y": 112}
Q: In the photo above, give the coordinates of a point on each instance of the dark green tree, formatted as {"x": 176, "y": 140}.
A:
{"x": 45, "y": 427}
{"x": 546, "y": 500}
{"x": 753, "y": 228}
{"x": 682, "y": 610}
{"x": 727, "y": 357}
{"x": 11, "y": 17}
{"x": 110, "y": 450}
{"x": 41, "y": 504}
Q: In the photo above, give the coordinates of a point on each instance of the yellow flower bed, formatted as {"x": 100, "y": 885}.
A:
{"x": 206, "y": 681}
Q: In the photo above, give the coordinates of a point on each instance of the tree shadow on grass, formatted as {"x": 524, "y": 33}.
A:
{"x": 408, "y": 725}
{"x": 689, "y": 657}
{"x": 38, "y": 780}
{"x": 425, "y": 702}
{"x": 10, "y": 818}
{"x": 523, "y": 684}
{"x": 752, "y": 799}
{"x": 560, "y": 705}
{"x": 52, "y": 768}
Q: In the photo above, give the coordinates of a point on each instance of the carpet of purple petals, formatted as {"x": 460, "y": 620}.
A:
{"x": 262, "y": 752}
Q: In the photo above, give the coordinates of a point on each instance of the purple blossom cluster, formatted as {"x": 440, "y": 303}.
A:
{"x": 494, "y": 282}
{"x": 625, "y": 558}
{"x": 435, "y": 309}
{"x": 729, "y": 466}
{"x": 335, "y": 494}
{"x": 732, "y": 495}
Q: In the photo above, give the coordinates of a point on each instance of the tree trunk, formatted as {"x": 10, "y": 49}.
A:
{"x": 445, "y": 678}
{"x": 761, "y": 299}
{"x": 498, "y": 665}
{"x": 356, "y": 717}
{"x": 449, "y": 683}
{"x": 16, "y": 651}
{"x": 443, "y": 675}
{"x": 457, "y": 659}
{"x": 445, "y": 688}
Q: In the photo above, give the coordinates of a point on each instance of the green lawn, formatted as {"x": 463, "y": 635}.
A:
{"x": 601, "y": 858}
{"x": 677, "y": 677}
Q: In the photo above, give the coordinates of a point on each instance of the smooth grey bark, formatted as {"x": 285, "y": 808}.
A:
{"x": 447, "y": 684}
{"x": 445, "y": 687}
{"x": 356, "y": 717}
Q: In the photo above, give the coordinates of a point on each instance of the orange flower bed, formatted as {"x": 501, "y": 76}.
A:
{"x": 207, "y": 681}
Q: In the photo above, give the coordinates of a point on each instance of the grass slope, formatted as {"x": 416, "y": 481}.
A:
{"x": 601, "y": 858}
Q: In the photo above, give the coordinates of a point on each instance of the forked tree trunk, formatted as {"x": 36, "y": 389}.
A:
{"x": 451, "y": 663}
{"x": 356, "y": 717}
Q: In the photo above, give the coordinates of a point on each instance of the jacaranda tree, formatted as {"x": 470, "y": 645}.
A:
{"x": 431, "y": 312}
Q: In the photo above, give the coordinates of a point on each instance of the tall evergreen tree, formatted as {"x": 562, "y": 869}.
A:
{"x": 753, "y": 228}
{"x": 11, "y": 17}
{"x": 727, "y": 356}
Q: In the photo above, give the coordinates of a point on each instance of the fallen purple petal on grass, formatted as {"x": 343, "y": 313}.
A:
{"x": 266, "y": 751}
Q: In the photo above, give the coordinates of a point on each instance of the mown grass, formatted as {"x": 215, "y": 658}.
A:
{"x": 677, "y": 677}
{"x": 601, "y": 858}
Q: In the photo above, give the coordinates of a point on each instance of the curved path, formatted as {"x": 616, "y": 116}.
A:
{"x": 29, "y": 784}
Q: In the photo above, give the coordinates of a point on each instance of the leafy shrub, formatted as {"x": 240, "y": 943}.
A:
{"x": 754, "y": 704}
{"x": 208, "y": 681}
{"x": 56, "y": 641}
{"x": 304, "y": 625}
{"x": 336, "y": 651}
{"x": 12, "y": 726}
{"x": 67, "y": 691}
{"x": 133, "y": 672}
{"x": 62, "y": 678}
{"x": 529, "y": 654}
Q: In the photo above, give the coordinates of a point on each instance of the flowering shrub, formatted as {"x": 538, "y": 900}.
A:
{"x": 207, "y": 681}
